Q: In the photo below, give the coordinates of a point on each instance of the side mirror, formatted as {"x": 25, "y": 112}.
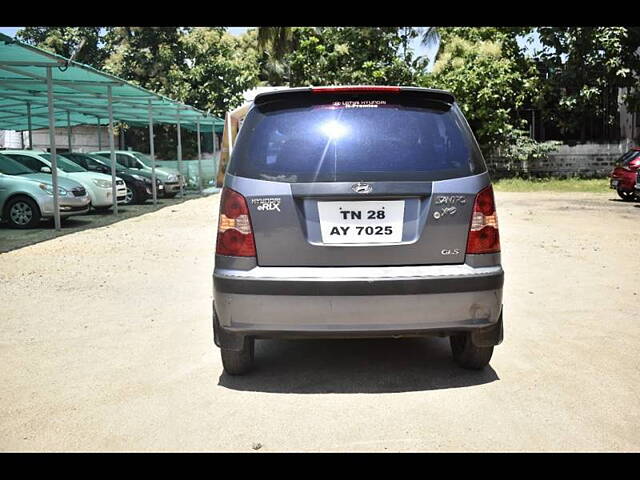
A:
{"x": 45, "y": 170}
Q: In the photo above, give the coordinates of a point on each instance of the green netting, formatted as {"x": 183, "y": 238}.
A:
{"x": 80, "y": 94}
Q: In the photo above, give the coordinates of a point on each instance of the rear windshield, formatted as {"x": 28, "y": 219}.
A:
{"x": 355, "y": 140}
{"x": 624, "y": 160}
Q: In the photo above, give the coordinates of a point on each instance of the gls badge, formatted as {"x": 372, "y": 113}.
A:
{"x": 450, "y": 251}
{"x": 266, "y": 204}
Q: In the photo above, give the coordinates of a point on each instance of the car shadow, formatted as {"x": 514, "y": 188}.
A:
{"x": 13, "y": 239}
{"x": 355, "y": 366}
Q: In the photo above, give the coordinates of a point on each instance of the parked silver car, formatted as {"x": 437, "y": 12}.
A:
{"x": 170, "y": 179}
{"x": 27, "y": 196}
{"x": 357, "y": 212}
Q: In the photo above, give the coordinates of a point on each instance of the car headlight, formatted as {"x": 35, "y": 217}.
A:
{"x": 102, "y": 183}
{"x": 47, "y": 187}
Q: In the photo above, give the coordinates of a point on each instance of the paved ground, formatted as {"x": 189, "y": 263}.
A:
{"x": 107, "y": 345}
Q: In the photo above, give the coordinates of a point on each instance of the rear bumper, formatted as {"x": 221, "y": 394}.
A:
{"x": 624, "y": 182}
{"x": 356, "y": 301}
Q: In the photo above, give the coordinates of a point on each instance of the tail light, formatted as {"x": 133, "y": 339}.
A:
{"x": 235, "y": 237}
{"x": 357, "y": 89}
{"x": 483, "y": 233}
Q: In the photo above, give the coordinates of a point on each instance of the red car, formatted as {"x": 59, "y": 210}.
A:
{"x": 625, "y": 174}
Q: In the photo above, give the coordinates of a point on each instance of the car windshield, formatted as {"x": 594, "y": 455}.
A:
{"x": 105, "y": 159}
{"x": 8, "y": 166}
{"x": 146, "y": 161}
{"x": 101, "y": 162}
{"x": 64, "y": 164}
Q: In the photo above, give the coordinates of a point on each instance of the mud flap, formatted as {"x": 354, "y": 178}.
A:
{"x": 225, "y": 339}
{"x": 488, "y": 337}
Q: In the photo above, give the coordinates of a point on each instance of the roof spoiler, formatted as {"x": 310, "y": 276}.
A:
{"x": 415, "y": 92}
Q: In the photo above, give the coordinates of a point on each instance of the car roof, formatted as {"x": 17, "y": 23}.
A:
{"x": 33, "y": 153}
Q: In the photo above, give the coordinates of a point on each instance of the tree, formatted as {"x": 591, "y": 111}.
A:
{"x": 583, "y": 68}
{"x": 489, "y": 85}
{"x": 348, "y": 55}
{"x": 64, "y": 41}
{"x": 221, "y": 68}
{"x": 203, "y": 67}
{"x": 151, "y": 57}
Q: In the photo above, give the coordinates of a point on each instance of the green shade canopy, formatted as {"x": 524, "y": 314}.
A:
{"x": 80, "y": 94}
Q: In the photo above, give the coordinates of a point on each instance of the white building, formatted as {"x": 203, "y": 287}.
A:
{"x": 84, "y": 138}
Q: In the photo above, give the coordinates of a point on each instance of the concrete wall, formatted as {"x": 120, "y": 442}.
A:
{"x": 588, "y": 160}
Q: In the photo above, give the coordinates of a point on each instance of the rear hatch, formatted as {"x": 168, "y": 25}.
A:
{"x": 357, "y": 177}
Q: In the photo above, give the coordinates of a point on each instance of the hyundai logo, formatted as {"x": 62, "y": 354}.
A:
{"x": 361, "y": 188}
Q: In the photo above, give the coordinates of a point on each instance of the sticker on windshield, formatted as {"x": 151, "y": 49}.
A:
{"x": 359, "y": 103}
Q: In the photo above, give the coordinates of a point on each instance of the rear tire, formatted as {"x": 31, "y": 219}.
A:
{"x": 131, "y": 197}
{"x": 466, "y": 354}
{"x": 22, "y": 212}
{"x": 238, "y": 362}
{"x": 627, "y": 196}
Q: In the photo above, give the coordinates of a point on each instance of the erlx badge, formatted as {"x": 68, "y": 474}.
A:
{"x": 267, "y": 204}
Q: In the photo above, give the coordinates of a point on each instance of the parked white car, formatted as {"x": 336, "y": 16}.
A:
{"x": 98, "y": 185}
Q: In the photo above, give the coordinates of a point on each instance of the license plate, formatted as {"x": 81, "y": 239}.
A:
{"x": 361, "y": 222}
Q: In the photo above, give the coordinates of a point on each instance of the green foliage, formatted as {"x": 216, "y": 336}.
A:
{"x": 64, "y": 40}
{"x": 489, "y": 85}
{"x": 219, "y": 70}
{"x": 583, "y": 68}
{"x": 519, "y": 147}
{"x": 341, "y": 55}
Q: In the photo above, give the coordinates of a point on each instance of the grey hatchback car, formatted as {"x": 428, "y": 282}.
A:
{"x": 357, "y": 211}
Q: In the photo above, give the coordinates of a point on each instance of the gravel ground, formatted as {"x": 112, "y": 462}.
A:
{"x": 107, "y": 346}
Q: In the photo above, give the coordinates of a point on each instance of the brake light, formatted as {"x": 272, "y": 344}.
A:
{"x": 380, "y": 88}
{"x": 235, "y": 237}
{"x": 483, "y": 232}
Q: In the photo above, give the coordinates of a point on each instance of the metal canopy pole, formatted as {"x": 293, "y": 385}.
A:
{"x": 29, "y": 125}
{"x": 215, "y": 161}
{"x": 153, "y": 156}
{"x": 180, "y": 154}
{"x": 69, "y": 129}
{"x": 112, "y": 151}
{"x": 199, "y": 156}
{"x": 99, "y": 136}
{"x": 52, "y": 142}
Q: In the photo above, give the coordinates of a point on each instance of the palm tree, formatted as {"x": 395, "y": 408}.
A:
{"x": 276, "y": 41}
{"x": 430, "y": 37}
